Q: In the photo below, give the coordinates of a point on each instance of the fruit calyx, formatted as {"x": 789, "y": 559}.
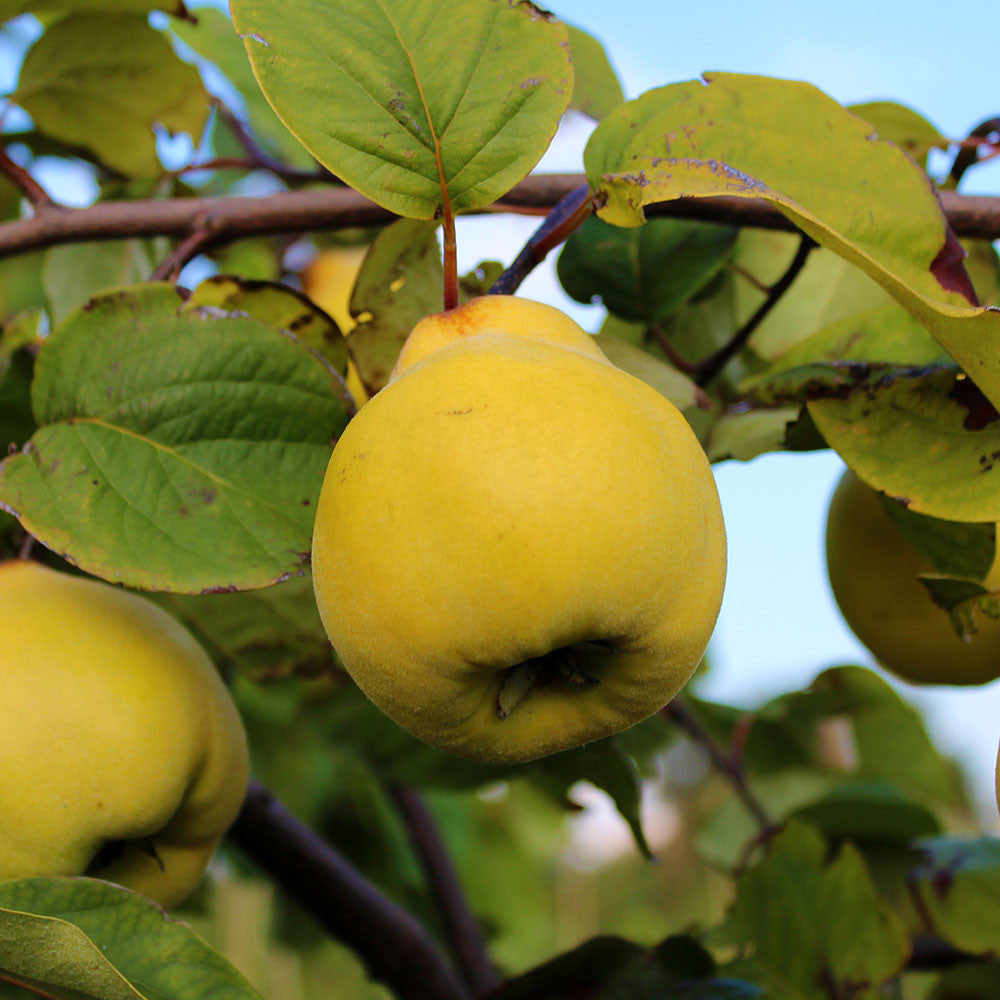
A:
{"x": 558, "y": 666}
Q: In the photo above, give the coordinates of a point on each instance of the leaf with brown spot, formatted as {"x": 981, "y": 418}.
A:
{"x": 277, "y": 305}
{"x": 398, "y": 285}
{"x": 906, "y": 436}
{"x": 861, "y": 197}
{"x": 186, "y": 472}
{"x": 957, "y": 888}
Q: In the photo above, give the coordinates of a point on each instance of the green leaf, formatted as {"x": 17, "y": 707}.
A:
{"x": 827, "y": 290}
{"x": 643, "y": 274}
{"x": 398, "y": 285}
{"x": 21, "y": 284}
{"x": 213, "y": 37}
{"x": 849, "y": 739}
{"x": 958, "y": 887}
{"x": 268, "y": 633}
{"x": 71, "y": 938}
{"x": 102, "y": 80}
{"x": 280, "y": 306}
{"x": 953, "y": 548}
{"x": 822, "y": 168}
{"x": 590, "y": 964}
{"x": 909, "y": 437}
{"x": 73, "y": 272}
{"x": 49, "y": 8}
{"x": 871, "y": 811}
{"x": 864, "y": 941}
{"x": 596, "y": 89}
{"x": 964, "y": 600}
{"x": 743, "y": 436}
{"x": 886, "y": 334}
{"x": 606, "y": 765}
{"x": 968, "y": 981}
{"x": 351, "y": 720}
{"x": 803, "y": 921}
{"x": 678, "y": 968}
{"x": 401, "y": 98}
{"x": 668, "y": 381}
{"x": 886, "y": 738}
{"x": 900, "y": 124}
{"x": 17, "y": 368}
{"x": 197, "y": 469}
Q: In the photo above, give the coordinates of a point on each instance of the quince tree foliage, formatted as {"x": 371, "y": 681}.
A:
{"x": 179, "y": 359}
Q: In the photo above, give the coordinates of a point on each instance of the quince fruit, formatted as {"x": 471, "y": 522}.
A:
{"x": 329, "y": 282}
{"x": 874, "y": 573}
{"x": 518, "y": 547}
{"x": 121, "y": 753}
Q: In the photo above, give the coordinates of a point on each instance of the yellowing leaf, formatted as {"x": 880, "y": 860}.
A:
{"x": 908, "y": 436}
{"x": 101, "y": 81}
{"x": 789, "y": 144}
{"x": 404, "y": 98}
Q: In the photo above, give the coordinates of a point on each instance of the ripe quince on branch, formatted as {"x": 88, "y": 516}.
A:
{"x": 518, "y": 547}
{"x": 122, "y": 755}
{"x": 874, "y": 574}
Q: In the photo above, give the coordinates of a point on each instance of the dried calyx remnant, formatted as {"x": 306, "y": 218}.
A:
{"x": 563, "y": 665}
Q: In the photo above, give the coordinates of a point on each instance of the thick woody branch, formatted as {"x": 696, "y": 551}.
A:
{"x": 393, "y": 945}
{"x": 233, "y": 218}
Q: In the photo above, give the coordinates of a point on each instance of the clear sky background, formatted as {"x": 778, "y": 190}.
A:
{"x": 779, "y": 626}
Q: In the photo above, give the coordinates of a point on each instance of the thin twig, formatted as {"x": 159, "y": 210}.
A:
{"x": 261, "y": 158}
{"x": 238, "y": 217}
{"x": 239, "y": 163}
{"x": 394, "y": 946}
{"x": 673, "y": 355}
{"x": 467, "y": 944}
{"x": 25, "y": 183}
{"x": 968, "y": 152}
{"x": 711, "y": 366}
{"x": 679, "y": 714}
{"x": 569, "y": 213}
{"x": 193, "y": 244}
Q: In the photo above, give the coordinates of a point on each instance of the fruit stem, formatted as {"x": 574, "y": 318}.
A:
{"x": 450, "y": 259}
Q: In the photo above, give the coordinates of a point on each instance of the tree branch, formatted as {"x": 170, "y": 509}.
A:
{"x": 337, "y": 208}
{"x": 25, "y": 183}
{"x": 568, "y": 214}
{"x": 711, "y": 366}
{"x": 679, "y": 713}
{"x": 188, "y": 248}
{"x": 467, "y": 944}
{"x": 393, "y": 945}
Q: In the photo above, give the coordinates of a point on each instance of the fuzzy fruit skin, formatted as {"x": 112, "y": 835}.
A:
{"x": 511, "y": 492}
{"x": 873, "y": 574}
{"x": 116, "y": 728}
